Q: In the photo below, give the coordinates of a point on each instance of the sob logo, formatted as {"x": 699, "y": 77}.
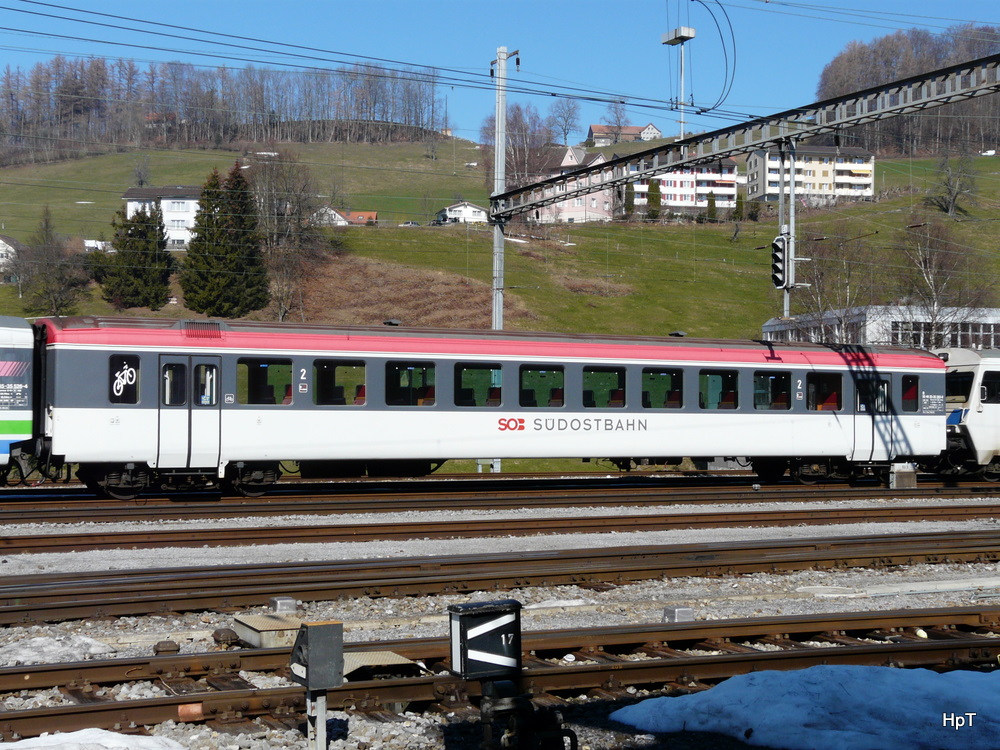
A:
{"x": 512, "y": 424}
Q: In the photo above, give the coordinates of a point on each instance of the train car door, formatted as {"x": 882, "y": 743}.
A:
{"x": 189, "y": 412}
{"x": 874, "y": 422}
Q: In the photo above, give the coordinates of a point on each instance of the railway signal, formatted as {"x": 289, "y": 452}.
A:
{"x": 782, "y": 265}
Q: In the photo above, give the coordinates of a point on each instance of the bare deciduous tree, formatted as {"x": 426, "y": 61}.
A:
{"x": 564, "y": 118}
{"x": 953, "y": 183}
{"x": 911, "y": 52}
{"x": 528, "y": 139}
{"x": 940, "y": 281}
{"x": 287, "y": 202}
{"x": 845, "y": 278}
{"x": 616, "y": 118}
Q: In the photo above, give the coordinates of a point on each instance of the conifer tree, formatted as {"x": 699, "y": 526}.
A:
{"x": 138, "y": 274}
{"x": 49, "y": 274}
{"x": 629, "y": 201}
{"x": 653, "y": 201}
{"x": 245, "y": 245}
{"x": 224, "y": 274}
{"x": 739, "y": 211}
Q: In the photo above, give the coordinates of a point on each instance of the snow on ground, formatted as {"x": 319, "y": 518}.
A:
{"x": 837, "y": 707}
{"x": 45, "y": 650}
{"x": 95, "y": 739}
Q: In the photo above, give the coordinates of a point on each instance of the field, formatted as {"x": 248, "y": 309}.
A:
{"x": 704, "y": 279}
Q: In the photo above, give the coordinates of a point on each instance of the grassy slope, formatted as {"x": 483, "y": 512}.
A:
{"x": 600, "y": 278}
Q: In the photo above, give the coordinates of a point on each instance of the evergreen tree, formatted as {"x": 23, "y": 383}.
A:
{"x": 138, "y": 274}
{"x": 653, "y": 201}
{"x": 245, "y": 245}
{"x": 739, "y": 212}
{"x": 711, "y": 211}
{"x": 629, "y": 201}
{"x": 49, "y": 274}
{"x": 224, "y": 274}
{"x": 203, "y": 280}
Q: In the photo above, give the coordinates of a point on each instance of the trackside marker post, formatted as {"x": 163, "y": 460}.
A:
{"x": 317, "y": 662}
{"x": 486, "y": 645}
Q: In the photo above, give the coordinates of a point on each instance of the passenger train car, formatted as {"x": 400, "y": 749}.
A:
{"x": 135, "y": 404}
{"x": 972, "y": 399}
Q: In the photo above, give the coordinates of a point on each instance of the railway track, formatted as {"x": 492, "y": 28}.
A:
{"x": 56, "y": 597}
{"x": 667, "y": 658}
{"x": 21, "y": 507}
{"x": 76, "y": 541}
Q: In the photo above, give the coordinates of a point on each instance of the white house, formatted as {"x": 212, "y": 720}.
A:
{"x": 896, "y": 325}
{"x": 823, "y": 174}
{"x": 328, "y": 216}
{"x": 9, "y": 248}
{"x": 463, "y": 213}
{"x": 179, "y": 206}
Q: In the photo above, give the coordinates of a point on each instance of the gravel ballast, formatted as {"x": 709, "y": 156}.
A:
{"x": 746, "y": 596}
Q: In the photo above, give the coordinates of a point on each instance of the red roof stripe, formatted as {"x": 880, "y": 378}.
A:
{"x": 126, "y": 338}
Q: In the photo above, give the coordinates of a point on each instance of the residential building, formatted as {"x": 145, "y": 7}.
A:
{"x": 9, "y": 248}
{"x": 327, "y": 216}
{"x": 605, "y": 135}
{"x": 598, "y": 206}
{"x": 463, "y": 213}
{"x": 896, "y": 325}
{"x": 823, "y": 174}
{"x": 687, "y": 190}
{"x": 179, "y": 206}
{"x": 361, "y": 218}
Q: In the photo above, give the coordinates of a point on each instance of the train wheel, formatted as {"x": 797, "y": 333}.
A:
{"x": 117, "y": 483}
{"x": 13, "y": 474}
{"x": 806, "y": 474}
{"x": 252, "y": 481}
{"x": 119, "y": 492}
{"x": 990, "y": 472}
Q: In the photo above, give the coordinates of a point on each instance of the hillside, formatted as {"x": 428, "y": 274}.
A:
{"x": 707, "y": 280}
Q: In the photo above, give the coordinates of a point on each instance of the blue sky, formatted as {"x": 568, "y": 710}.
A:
{"x": 595, "y": 48}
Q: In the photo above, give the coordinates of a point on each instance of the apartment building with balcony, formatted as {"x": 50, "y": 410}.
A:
{"x": 687, "y": 190}
{"x": 823, "y": 174}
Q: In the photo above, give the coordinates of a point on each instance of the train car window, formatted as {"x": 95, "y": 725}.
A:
{"x": 772, "y": 390}
{"x": 541, "y": 386}
{"x": 662, "y": 388}
{"x": 604, "y": 387}
{"x": 173, "y": 384}
{"x": 123, "y": 379}
{"x": 337, "y": 382}
{"x": 873, "y": 396}
{"x": 824, "y": 391}
{"x": 911, "y": 393}
{"x": 477, "y": 384}
{"x": 958, "y": 386}
{"x": 409, "y": 383}
{"x": 991, "y": 388}
{"x": 206, "y": 383}
{"x": 717, "y": 389}
{"x": 263, "y": 381}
